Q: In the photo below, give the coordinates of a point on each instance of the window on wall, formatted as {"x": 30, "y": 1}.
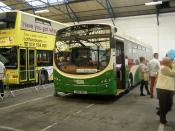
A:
{"x": 44, "y": 58}
{"x": 42, "y": 3}
{"x": 4, "y": 7}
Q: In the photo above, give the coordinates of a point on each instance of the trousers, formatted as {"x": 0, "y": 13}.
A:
{"x": 165, "y": 98}
{"x": 144, "y": 83}
{"x": 1, "y": 88}
{"x": 152, "y": 83}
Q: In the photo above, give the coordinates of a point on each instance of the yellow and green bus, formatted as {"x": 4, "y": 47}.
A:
{"x": 26, "y": 47}
{"x": 96, "y": 59}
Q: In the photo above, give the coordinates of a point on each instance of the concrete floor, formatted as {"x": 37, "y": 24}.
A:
{"x": 41, "y": 111}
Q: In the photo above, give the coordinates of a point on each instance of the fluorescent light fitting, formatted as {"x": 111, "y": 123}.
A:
{"x": 41, "y": 11}
{"x": 154, "y": 3}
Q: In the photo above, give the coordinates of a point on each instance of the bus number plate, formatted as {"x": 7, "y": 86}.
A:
{"x": 80, "y": 92}
{"x": 79, "y": 82}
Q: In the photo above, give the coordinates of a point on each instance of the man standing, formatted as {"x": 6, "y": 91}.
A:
{"x": 154, "y": 67}
{"x": 144, "y": 76}
{"x": 2, "y": 71}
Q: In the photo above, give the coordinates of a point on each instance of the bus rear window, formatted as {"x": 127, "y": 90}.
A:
{"x": 7, "y": 20}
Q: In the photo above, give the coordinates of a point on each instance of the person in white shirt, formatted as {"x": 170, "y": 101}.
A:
{"x": 2, "y": 71}
{"x": 154, "y": 67}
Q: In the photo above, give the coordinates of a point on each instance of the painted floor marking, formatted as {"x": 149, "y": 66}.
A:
{"x": 22, "y": 103}
{"x": 10, "y": 128}
{"x": 90, "y": 106}
{"x": 33, "y": 87}
{"x": 78, "y": 112}
{"x": 67, "y": 117}
{"x": 45, "y": 129}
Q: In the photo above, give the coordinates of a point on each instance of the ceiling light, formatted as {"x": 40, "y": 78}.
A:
{"x": 154, "y": 3}
{"x": 41, "y": 11}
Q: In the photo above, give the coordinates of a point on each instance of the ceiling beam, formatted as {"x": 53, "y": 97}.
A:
{"x": 157, "y": 12}
{"x": 107, "y": 5}
{"x": 70, "y": 12}
{"x": 33, "y": 10}
{"x": 66, "y": 10}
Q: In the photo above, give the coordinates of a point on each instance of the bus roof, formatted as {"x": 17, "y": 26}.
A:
{"x": 18, "y": 11}
{"x": 121, "y": 35}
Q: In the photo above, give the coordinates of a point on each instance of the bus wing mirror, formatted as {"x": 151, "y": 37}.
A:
{"x": 115, "y": 30}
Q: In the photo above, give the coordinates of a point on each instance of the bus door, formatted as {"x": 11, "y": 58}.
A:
{"x": 120, "y": 65}
{"x": 23, "y": 64}
{"x": 31, "y": 64}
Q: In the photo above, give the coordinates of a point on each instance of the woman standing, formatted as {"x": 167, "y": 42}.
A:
{"x": 165, "y": 89}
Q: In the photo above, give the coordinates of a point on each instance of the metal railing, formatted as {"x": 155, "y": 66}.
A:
{"x": 35, "y": 80}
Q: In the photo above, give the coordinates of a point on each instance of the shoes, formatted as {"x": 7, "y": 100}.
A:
{"x": 167, "y": 123}
{"x": 142, "y": 94}
{"x": 161, "y": 127}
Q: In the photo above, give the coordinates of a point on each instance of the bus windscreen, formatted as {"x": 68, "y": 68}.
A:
{"x": 83, "y": 49}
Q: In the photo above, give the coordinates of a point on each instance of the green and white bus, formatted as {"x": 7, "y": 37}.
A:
{"x": 95, "y": 59}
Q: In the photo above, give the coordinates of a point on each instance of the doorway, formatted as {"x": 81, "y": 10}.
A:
{"x": 120, "y": 64}
{"x": 27, "y": 64}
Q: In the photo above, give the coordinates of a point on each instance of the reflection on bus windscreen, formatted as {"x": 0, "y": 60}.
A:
{"x": 83, "y": 49}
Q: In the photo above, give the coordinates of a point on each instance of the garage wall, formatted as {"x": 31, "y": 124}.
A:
{"x": 145, "y": 28}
